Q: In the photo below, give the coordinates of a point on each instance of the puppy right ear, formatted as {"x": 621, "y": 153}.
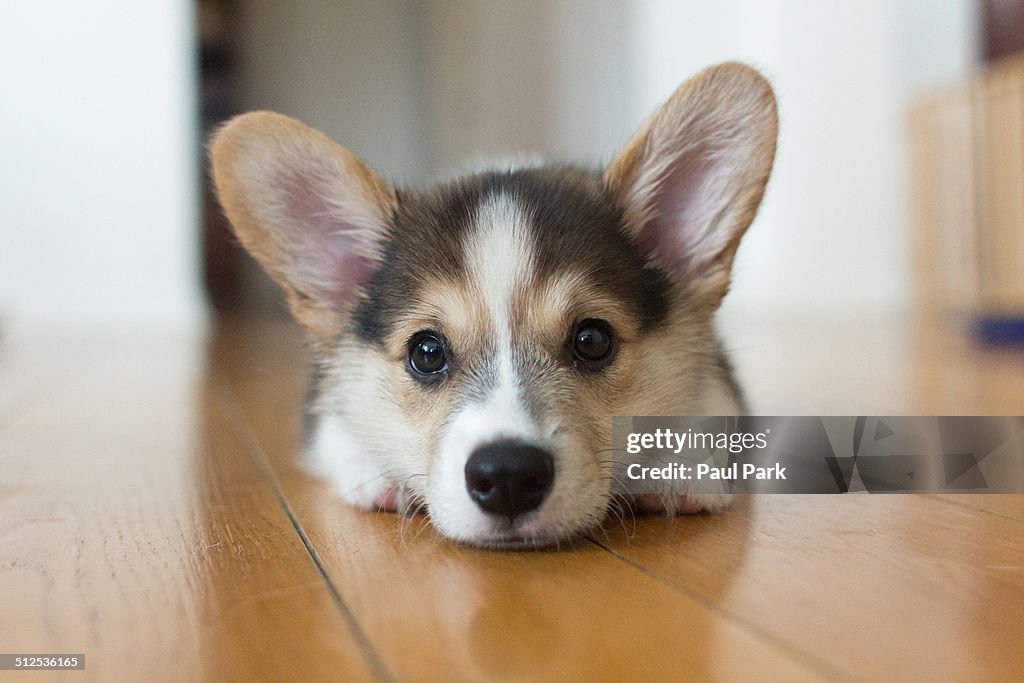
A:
{"x": 691, "y": 179}
{"x": 308, "y": 209}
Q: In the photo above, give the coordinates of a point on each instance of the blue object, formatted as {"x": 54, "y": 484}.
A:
{"x": 1000, "y": 330}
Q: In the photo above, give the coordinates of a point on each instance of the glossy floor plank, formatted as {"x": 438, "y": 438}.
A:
{"x": 872, "y": 584}
{"x": 435, "y": 611}
{"x": 135, "y": 528}
{"x": 153, "y": 515}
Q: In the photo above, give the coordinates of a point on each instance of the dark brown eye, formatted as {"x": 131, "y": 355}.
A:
{"x": 592, "y": 341}
{"x": 427, "y": 354}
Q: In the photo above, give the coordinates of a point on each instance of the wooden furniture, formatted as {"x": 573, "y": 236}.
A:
{"x": 967, "y": 195}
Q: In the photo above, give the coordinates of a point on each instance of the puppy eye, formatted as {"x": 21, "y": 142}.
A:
{"x": 427, "y": 354}
{"x": 592, "y": 341}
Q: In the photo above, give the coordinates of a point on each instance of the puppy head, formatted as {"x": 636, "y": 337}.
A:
{"x": 475, "y": 339}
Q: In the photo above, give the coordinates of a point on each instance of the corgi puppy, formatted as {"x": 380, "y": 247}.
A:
{"x": 472, "y": 341}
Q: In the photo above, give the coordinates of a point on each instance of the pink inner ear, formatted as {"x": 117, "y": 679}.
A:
{"x": 693, "y": 177}
{"x": 353, "y": 271}
{"x": 678, "y": 227}
{"x": 332, "y": 254}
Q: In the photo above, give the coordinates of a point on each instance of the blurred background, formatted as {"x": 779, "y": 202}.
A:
{"x": 899, "y": 182}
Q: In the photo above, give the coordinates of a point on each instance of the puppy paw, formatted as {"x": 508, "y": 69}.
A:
{"x": 360, "y": 485}
{"x": 682, "y": 503}
{"x": 376, "y": 497}
{"x": 383, "y": 497}
{"x": 357, "y": 479}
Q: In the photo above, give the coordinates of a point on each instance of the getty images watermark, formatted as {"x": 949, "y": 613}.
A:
{"x": 664, "y": 441}
{"x": 819, "y": 454}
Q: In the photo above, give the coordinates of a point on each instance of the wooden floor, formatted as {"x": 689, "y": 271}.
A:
{"x": 152, "y": 517}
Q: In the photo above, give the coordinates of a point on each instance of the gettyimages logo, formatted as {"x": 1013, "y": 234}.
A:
{"x": 666, "y": 439}
{"x": 820, "y": 454}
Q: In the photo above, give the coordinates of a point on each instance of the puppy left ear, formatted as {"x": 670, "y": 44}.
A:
{"x": 309, "y": 210}
{"x": 691, "y": 179}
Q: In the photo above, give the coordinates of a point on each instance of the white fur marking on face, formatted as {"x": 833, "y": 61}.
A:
{"x": 499, "y": 257}
{"x": 499, "y": 262}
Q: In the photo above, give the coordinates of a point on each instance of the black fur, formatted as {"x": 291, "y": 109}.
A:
{"x": 576, "y": 225}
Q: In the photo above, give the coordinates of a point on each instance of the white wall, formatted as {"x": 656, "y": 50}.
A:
{"x": 419, "y": 89}
{"x": 570, "y": 80}
{"x": 98, "y": 202}
{"x": 832, "y": 234}
{"x": 97, "y": 157}
{"x": 348, "y": 69}
{"x": 529, "y": 78}
{"x": 422, "y": 90}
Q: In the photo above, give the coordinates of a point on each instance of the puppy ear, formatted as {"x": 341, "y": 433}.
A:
{"x": 691, "y": 179}
{"x": 311, "y": 213}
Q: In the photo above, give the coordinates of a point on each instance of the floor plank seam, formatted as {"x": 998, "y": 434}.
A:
{"x": 244, "y": 432}
{"x": 818, "y": 666}
{"x": 964, "y": 506}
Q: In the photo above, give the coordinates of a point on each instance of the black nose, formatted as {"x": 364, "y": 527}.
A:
{"x": 509, "y": 478}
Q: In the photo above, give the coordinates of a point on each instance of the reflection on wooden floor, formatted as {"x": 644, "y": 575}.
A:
{"x": 152, "y": 517}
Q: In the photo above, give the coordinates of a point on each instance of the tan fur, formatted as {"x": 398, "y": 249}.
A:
{"x": 552, "y": 306}
{"x": 722, "y": 103}
{"x": 280, "y": 182}
{"x": 443, "y": 305}
{"x": 446, "y": 307}
{"x": 253, "y": 155}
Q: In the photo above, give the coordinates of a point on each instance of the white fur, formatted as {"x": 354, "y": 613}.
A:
{"x": 499, "y": 261}
{"x": 499, "y": 258}
{"x": 501, "y": 416}
{"x": 335, "y": 455}
{"x": 314, "y": 215}
{"x": 500, "y": 264}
